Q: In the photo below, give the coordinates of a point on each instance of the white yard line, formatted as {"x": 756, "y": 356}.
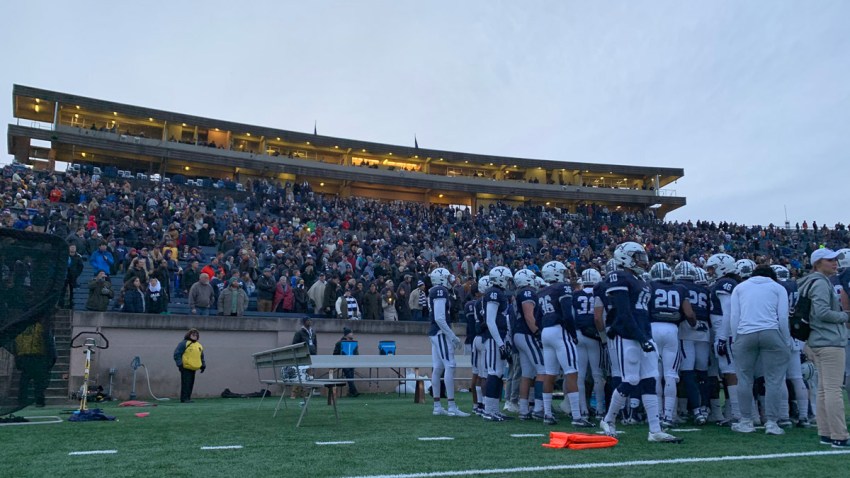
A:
{"x": 222, "y": 447}
{"x": 334, "y": 443}
{"x": 435, "y": 438}
{"x": 526, "y": 435}
{"x": 93, "y": 452}
{"x": 685, "y": 430}
{"x": 616, "y": 464}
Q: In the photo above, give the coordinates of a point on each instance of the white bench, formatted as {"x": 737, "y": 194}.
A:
{"x": 270, "y": 364}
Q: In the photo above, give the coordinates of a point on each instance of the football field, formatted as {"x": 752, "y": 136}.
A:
{"x": 379, "y": 435}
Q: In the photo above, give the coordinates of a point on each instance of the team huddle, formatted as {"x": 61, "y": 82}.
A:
{"x": 656, "y": 341}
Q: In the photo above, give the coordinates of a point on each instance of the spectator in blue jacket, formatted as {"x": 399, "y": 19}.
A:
{"x": 101, "y": 259}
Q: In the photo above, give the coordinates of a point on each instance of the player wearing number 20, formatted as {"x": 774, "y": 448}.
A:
{"x": 632, "y": 334}
{"x": 443, "y": 342}
{"x": 668, "y": 307}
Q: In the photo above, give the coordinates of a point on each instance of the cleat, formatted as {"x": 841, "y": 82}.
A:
{"x": 583, "y": 423}
{"x": 439, "y": 411}
{"x": 785, "y": 423}
{"x": 666, "y": 423}
{"x": 700, "y": 419}
{"x": 511, "y": 407}
{"x": 456, "y": 412}
{"x": 525, "y": 416}
{"x": 840, "y": 444}
{"x": 504, "y": 417}
{"x": 492, "y": 417}
{"x": 743, "y": 426}
{"x": 537, "y": 415}
{"x": 477, "y": 410}
{"x": 662, "y": 437}
{"x": 550, "y": 420}
{"x": 724, "y": 422}
{"x": 804, "y": 423}
{"x": 608, "y": 428}
{"x": 772, "y": 428}
{"x": 824, "y": 440}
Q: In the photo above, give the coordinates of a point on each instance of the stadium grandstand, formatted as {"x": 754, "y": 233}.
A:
{"x": 140, "y": 142}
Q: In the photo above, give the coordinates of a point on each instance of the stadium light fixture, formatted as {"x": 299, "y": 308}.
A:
{"x": 114, "y": 113}
{"x": 278, "y": 138}
{"x": 186, "y": 168}
{"x": 361, "y": 149}
{"x": 37, "y": 100}
{"x": 184, "y": 125}
{"x": 322, "y": 184}
{"x": 308, "y": 142}
{"x": 76, "y": 116}
{"x": 150, "y": 119}
{"x": 83, "y": 154}
{"x": 78, "y": 106}
{"x": 248, "y": 134}
{"x": 441, "y": 195}
{"x": 37, "y": 108}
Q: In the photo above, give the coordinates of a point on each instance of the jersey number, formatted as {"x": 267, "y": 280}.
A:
{"x": 545, "y": 303}
{"x": 585, "y": 305}
{"x": 667, "y": 299}
{"x": 698, "y": 299}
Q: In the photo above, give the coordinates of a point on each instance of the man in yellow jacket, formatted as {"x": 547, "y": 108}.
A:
{"x": 189, "y": 357}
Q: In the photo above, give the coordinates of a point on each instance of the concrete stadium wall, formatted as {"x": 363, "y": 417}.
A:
{"x": 228, "y": 344}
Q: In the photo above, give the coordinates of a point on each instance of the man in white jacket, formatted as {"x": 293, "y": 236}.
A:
{"x": 759, "y": 327}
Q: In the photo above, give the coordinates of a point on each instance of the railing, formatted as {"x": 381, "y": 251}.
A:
{"x": 35, "y": 124}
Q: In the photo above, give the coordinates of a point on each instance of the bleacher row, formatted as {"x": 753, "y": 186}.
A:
{"x": 178, "y": 303}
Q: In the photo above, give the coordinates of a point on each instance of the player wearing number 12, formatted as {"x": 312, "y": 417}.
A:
{"x": 632, "y": 335}
{"x": 443, "y": 342}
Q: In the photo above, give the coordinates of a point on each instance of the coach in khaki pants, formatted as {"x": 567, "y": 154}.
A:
{"x": 826, "y": 347}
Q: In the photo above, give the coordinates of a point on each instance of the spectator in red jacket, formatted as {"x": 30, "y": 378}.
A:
{"x": 284, "y": 297}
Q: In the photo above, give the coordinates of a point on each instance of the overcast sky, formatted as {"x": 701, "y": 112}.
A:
{"x": 751, "y": 98}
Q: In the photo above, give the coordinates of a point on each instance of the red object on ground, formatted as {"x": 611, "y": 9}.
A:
{"x": 579, "y": 441}
{"x": 136, "y": 403}
{"x": 143, "y": 414}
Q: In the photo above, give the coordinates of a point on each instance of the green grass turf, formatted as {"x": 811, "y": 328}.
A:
{"x": 384, "y": 428}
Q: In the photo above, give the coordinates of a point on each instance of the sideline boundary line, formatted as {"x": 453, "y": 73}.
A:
{"x": 587, "y": 466}
{"x": 93, "y": 452}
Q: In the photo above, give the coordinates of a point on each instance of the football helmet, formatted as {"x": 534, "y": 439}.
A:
{"x": 843, "y": 259}
{"x": 685, "y": 271}
{"x": 484, "y": 284}
{"x": 718, "y": 265}
{"x": 524, "y": 278}
{"x": 782, "y": 272}
{"x": 660, "y": 271}
{"x": 500, "y": 276}
{"x": 610, "y": 266}
{"x": 701, "y": 277}
{"x": 554, "y": 272}
{"x": 590, "y": 277}
{"x": 539, "y": 282}
{"x": 745, "y": 268}
{"x": 631, "y": 256}
{"x": 440, "y": 276}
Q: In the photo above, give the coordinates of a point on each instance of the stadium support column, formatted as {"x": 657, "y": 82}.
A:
{"x": 473, "y": 204}
{"x": 55, "y": 115}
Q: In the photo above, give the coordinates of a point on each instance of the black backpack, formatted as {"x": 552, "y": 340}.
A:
{"x": 798, "y": 319}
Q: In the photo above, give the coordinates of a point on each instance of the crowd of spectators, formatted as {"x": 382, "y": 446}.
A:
{"x": 288, "y": 249}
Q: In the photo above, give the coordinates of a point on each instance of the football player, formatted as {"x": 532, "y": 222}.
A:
{"x": 527, "y": 342}
{"x": 695, "y": 342}
{"x": 558, "y": 335}
{"x": 632, "y": 336}
{"x": 443, "y": 342}
{"x": 473, "y": 341}
{"x": 603, "y": 318}
{"x": 494, "y": 335}
{"x": 722, "y": 267}
{"x": 589, "y": 341}
{"x": 668, "y": 307}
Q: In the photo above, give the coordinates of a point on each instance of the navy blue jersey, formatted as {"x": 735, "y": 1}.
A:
{"x": 844, "y": 280}
{"x": 723, "y": 286}
{"x": 439, "y": 292}
{"x": 698, "y": 297}
{"x": 501, "y": 298}
{"x": 583, "y": 307}
{"x": 836, "y": 284}
{"x": 793, "y": 293}
{"x": 471, "y": 317}
{"x": 632, "y": 294}
{"x": 555, "y": 307}
{"x": 600, "y": 296}
{"x": 666, "y": 302}
{"x": 523, "y": 295}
